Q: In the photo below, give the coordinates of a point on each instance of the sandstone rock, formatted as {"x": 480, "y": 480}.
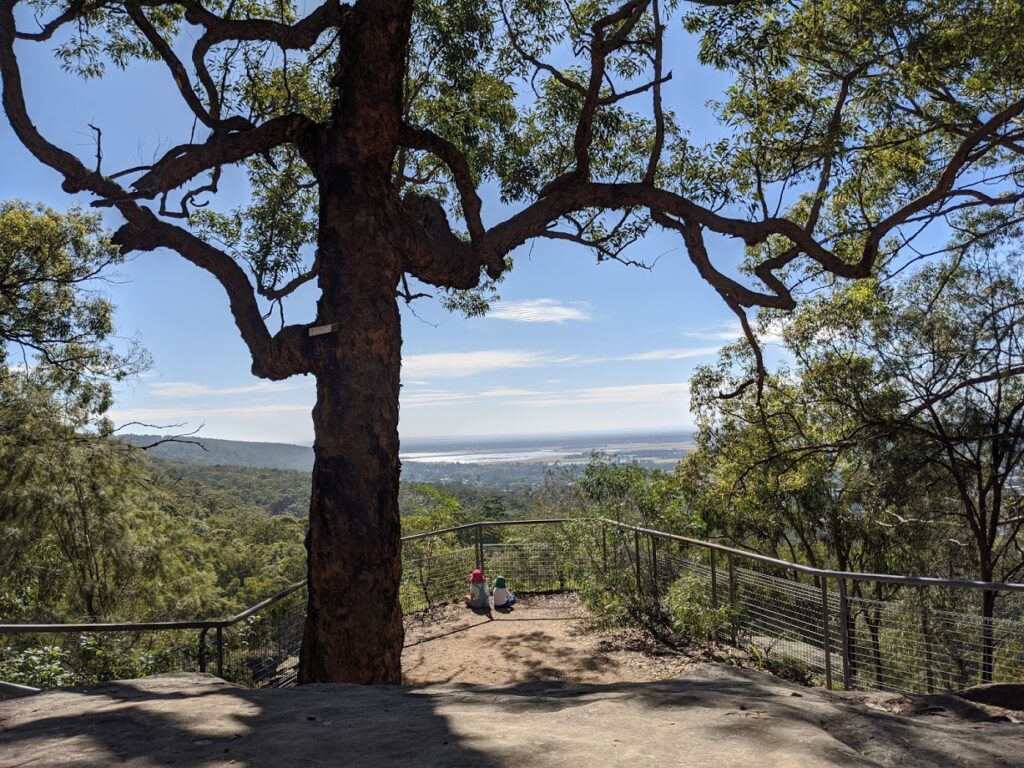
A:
{"x": 714, "y": 716}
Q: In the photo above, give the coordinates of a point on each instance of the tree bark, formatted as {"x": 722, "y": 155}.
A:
{"x": 353, "y": 629}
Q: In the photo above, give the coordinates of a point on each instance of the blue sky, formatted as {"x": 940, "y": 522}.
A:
{"x": 573, "y": 345}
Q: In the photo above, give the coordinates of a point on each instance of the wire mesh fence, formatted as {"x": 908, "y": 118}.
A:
{"x": 261, "y": 646}
{"x": 434, "y": 573}
{"x": 905, "y": 644}
{"x": 862, "y": 631}
{"x": 927, "y": 635}
{"x": 262, "y": 651}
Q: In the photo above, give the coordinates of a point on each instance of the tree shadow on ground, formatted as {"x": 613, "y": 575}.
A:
{"x": 193, "y": 720}
{"x": 741, "y": 705}
{"x": 715, "y": 716}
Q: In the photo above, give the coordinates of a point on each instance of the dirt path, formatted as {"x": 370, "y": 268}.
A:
{"x": 545, "y": 637}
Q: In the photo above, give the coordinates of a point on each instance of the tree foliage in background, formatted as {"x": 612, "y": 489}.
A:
{"x": 91, "y": 530}
{"x": 67, "y": 495}
{"x": 894, "y": 440}
{"x": 52, "y": 317}
{"x": 367, "y": 129}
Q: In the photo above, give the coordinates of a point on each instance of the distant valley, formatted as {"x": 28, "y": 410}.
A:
{"x": 502, "y": 463}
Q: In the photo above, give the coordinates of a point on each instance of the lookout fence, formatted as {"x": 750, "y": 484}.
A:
{"x": 843, "y": 629}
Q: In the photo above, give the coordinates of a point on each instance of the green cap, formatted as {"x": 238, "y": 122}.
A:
{"x": 499, "y": 582}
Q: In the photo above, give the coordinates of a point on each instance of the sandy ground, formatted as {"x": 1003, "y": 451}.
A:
{"x": 544, "y": 637}
{"x": 535, "y": 688}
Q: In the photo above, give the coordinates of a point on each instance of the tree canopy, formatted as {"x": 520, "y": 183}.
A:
{"x": 892, "y": 441}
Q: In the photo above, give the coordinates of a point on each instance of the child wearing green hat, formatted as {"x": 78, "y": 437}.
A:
{"x": 502, "y": 597}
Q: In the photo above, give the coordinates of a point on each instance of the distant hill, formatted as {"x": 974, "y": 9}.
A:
{"x": 228, "y": 452}
{"x": 275, "y": 491}
{"x": 498, "y": 463}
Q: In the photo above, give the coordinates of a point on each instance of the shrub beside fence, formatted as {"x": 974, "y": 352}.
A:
{"x": 927, "y": 636}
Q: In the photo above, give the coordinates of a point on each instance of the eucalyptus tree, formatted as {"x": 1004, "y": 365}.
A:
{"x": 54, "y": 319}
{"x": 68, "y": 496}
{"x": 369, "y": 130}
{"x": 906, "y": 397}
{"x": 776, "y": 471}
{"x": 947, "y": 346}
{"x": 57, "y": 356}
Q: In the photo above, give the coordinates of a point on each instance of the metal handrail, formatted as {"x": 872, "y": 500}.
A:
{"x": 15, "y": 690}
{"x": 207, "y": 624}
{"x": 486, "y": 523}
{"x": 920, "y": 581}
{"x": 26, "y": 629}
{"x": 844, "y": 648}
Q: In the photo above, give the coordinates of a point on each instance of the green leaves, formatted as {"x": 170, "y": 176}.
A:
{"x": 859, "y": 106}
{"x": 892, "y": 431}
{"x": 271, "y": 233}
{"x": 52, "y": 314}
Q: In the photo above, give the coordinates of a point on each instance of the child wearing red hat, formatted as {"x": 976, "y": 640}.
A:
{"x": 477, "y": 597}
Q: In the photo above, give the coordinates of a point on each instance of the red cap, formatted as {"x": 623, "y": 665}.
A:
{"x": 476, "y": 576}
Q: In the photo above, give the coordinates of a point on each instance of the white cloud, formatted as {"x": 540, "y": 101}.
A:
{"x": 455, "y": 364}
{"x": 434, "y": 398}
{"x": 727, "y": 332}
{"x": 733, "y": 331}
{"x": 509, "y": 392}
{"x": 458, "y": 364}
{"x": 773, "y": 333}
{"x": 671, "y": 354}
{"x": 190, "y": 413}
{"x": 539, "y": 311}
{"x": 186, "y": 389}
{"x": 672, "y": 395}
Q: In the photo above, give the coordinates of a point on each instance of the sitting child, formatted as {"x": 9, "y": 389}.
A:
{"x": 502, "y": 597}
{"x": 477, "y": 597}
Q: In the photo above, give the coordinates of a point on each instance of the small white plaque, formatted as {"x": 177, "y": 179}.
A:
{"x": 323, "y": 330}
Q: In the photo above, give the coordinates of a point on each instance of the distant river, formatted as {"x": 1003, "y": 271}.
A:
{"x": 545, "y": 454}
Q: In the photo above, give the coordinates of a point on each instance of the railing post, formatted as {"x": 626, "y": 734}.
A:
{"x": 926, "y": 634}
{"x": 636, "y": 552}
{"x": 654, "y": 564}
{"x": 479, "y": 546}
{"x": 825, "y": 633}
{"x": 604, "y": 548}
{"x": 844, "y": 632}
{"x": 202, "y": 648}
{"x": 714, "y": 581}
{"x": 732, "y": 596}
{"x": 220, "y": 651}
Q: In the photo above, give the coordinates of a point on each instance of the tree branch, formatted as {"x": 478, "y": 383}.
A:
{"x": 274, "y": 357}
{"x": 186, "y": 161}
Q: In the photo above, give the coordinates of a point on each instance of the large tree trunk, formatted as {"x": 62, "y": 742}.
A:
{"x": 353, "y": 627}
{"x": 353, "y": 630}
